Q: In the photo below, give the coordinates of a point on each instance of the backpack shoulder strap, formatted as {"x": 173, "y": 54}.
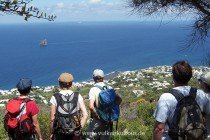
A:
{"x": 193, "y": 92}
{"x": 177, "y": 94}
{"x": 26, "y": 100}
{"x": 100, "y": 87}
{"x": 76, "y": 94}
{"x": 74, "y": 101}
{"x": 57, "y": 98}
{"x": 76, "y": 97}
{"x": 23, "y": 99}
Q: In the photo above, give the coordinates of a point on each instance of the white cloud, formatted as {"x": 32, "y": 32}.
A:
{"x": 95, "y": 1}
{"x": 60, "y": 5}
{"x": 89, "y": 10}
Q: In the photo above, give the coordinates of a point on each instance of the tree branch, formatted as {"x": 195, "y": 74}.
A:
{"x": 19, "y": 7}
{"x": 201, "y": 7}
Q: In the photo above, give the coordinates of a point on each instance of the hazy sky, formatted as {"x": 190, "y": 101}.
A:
{"x": 81, "y": 10}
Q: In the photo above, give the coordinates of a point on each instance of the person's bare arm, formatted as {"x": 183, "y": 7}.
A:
{"x": 92, "y": 108}
{"x": 52, "y": 118}
{"x": 118, "y": 98}
{"x": 158, "y": 130}
{"x": 36, "y": 126}
{"x": 84, "y": 114}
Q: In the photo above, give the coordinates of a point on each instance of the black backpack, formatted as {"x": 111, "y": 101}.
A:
{"x": 188, "y": 121}
{"x": 67, "y": 116}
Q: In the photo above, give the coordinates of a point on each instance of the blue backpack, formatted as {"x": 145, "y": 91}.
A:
{"x": 107, "y": 108}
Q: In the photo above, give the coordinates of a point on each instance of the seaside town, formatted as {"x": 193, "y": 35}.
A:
{"x": 139, "y": 90}
{"x": 157, "y": 78}
{"x": 44, "y": 38}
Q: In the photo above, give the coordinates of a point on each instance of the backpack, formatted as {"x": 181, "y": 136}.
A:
{"x": 16, "y": 121}
{"x": 67, "y": 116}
{"x": 107, "y": 109}
{"x": 188, "y": 121}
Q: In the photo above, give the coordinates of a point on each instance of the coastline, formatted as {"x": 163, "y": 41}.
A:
{"x": 197, "y": 71}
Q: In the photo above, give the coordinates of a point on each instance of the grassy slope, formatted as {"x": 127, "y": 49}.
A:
{"x": 136, "y": 120}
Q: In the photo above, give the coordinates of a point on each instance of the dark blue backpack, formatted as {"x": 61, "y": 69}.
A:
{"x": 107, "y": 108}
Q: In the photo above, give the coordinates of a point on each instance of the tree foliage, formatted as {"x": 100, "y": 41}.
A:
{"x": 21, "y": 8}
{"x": 199, "y": 8}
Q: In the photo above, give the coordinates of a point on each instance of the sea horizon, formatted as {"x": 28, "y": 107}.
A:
{"x": 181, "y": 21}
{"x": 79, "y": 48}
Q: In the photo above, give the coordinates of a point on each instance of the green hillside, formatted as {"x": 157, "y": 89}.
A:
{"x": 140, "y": 90}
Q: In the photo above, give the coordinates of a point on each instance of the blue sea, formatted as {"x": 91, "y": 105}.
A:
{"x": 79, "y": 48}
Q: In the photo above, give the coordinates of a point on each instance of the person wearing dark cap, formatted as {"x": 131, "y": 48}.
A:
{"x": 31, "y": 109}
{"x": 68, "y": 111}
{"x": 204, "y": 83}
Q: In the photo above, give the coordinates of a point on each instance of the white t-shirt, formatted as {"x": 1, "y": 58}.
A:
{"x": 167, "y": 104}
{"x": 94, "y": 92}
{"x": 65, "y": 93}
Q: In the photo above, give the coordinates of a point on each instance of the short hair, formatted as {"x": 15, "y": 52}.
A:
{"x": 65, "y": 85}
{"x": 98, "y": 78}
{"x": 182, "y": 72}
{"x": 25, "y": 91}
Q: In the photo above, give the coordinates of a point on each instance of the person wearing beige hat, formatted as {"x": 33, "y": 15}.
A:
{"x": 204, "y": 83}
{"x": 68, "y": 111}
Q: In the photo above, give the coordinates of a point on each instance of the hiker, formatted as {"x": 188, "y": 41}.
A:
{"x": 180, "y": 103}
{"x": 204, "y": 83}
{"x": 99, "y": 127}
{"x": 24, "y": 111}
{"x": 68, "y": 111}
